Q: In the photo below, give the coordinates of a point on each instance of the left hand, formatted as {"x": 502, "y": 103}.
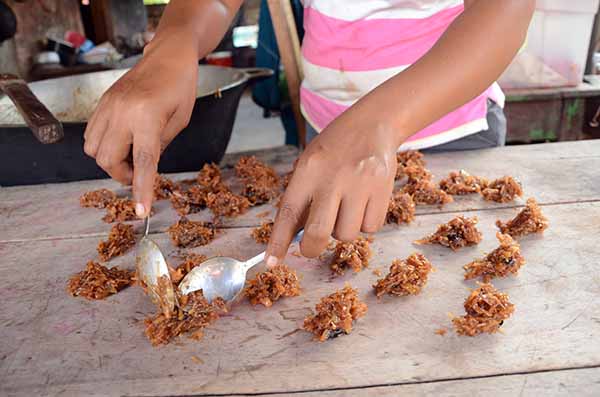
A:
{"x": 341, "y": 186}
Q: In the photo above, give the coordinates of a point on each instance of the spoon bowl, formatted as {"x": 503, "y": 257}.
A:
{"x": 151, "y": 267}
{"x": 217, "y": 277}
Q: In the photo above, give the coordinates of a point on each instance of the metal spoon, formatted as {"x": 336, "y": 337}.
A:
{"x": 151, "y": 267}
{"x": 221, "y": 276}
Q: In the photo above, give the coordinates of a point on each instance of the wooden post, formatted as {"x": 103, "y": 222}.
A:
{"x": 118, "y": 19}
{"x": 289, "y": 50}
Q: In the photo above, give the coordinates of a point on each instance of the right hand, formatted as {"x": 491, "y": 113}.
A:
{"x": 146, "y": 109}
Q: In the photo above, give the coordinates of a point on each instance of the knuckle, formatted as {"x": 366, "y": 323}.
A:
{"x": 276, "y": 247}
{"x": 346, "y": 235}
{"x": 143, "y": 158}
{"x": 104, "y": 162}
{"x": 310, "y": 250}
{"x": 370, "y": 227}
{"x": 311, "y": 160}
{"x": 317, "y": 232}
{"x": 89, "y": 149}
{"x": 289, "y": 213}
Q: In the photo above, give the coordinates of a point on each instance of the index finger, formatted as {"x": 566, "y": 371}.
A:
{"x": 146, "y": 153}
{"x": 290, "y": 218}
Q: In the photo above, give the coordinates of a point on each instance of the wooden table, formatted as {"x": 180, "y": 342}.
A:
{"x": 52, "y": 344}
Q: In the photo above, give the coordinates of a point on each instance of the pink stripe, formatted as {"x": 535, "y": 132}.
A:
{"x": 318, "y": 109}
{"x": 371, "y": 44}
{"x": 322, "y": 112}
{"x": 474, "y": 110}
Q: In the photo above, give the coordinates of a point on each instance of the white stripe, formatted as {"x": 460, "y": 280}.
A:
{"x": 497, "y": 95}
{"x": 461, "y": 131}
{"x": 352, "y": 10}
{"x": 341, "y": 87}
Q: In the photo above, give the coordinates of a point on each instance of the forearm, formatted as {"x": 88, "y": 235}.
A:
{"x": 467, "y": 59}
{"x": 195, "y": 25}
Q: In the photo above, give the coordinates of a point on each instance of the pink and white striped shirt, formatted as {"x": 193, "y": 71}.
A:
{"x": 352, "y": 46}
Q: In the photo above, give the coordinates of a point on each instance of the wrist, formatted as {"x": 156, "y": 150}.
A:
{"x": 174, "y": 43}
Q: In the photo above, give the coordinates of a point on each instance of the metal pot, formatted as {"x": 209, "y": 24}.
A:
{"x": 23, "y": 160}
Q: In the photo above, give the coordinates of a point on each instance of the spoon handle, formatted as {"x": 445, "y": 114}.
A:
{"x": 146, "y": 225}
{"x": 250, "y": 263}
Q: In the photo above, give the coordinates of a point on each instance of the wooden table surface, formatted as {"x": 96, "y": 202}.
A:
{"x": 52, "y": 344}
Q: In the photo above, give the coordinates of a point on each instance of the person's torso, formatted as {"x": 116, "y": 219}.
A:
{"x": 352, "y": 46}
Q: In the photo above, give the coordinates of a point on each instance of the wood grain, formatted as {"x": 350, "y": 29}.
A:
{"x": 56, "y": 345}
{"x": 552, "y": 173}
{"x": 580, "y": 382}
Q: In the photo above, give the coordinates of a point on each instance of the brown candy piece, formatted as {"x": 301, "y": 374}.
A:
{"x": 406, "y": 277}
{"x": 120, "y": 239}
{"x": 98, "y": 282}
{"x": 271, "y": 285}
{"x": 502, "y": 190}
{"x": 504, "y": 260}
{"x": 401, "y": 209}
{"x": 262, "y": 234}
{"x": 335, "y": 314}
{"x": 97, "y": 198}
{"x": 529, "y": 220}
{"x": 353, "y": 255}
{"x": 461, "y": 183}
{"x": 457, "y": 233}
{"x": 486, "y": 309}
{"x": 186, "y": 233}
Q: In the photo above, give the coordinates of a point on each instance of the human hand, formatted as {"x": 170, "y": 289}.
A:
{"x": 141, "y": 114}
{"x": 341, "y": 186}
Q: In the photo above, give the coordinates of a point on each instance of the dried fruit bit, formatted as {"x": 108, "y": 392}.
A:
{"x": 335, "y": 314}
{"x": 441, "y": 331}
{"x": 190, "y": 261}
{"x": 225, "y": 203}
{"x": 262, "y": 234}
{"x": 120, "y": 210}
{"x": 500, "y": 262}
{"x": 98, "y": 281}
{"x": 120, "y": 239}
{"x": 260, "y": 191}
{"x": 163, "y": 187}
{"x": 460, "y": 183}
{"x": 486, "y": 309}
{"x": 502, "y": 190}
{"x": 97, "y": 198}
{"x": 193, "y": 315}
{"x": 426, "y": 192}
{"x": 406, "y": 277}
{"x": 186, "y": 233}
{"x": 354, "y": 255}
{"x": 261, "y": 182}
{"x": 406, "y": 158}
{"x": 459, "y": 232}
{"x": 209, "y": 176}
{"x": 529, "y": 220}
{"x": 401, "y": 209}
{"x": 267, "y": 287}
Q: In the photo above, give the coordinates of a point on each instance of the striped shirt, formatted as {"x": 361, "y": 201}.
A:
{"x": 352, "y": 46}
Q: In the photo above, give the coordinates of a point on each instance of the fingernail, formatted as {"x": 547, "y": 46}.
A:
{"x": 140, "y": 211}
{"x": 271, "y": 261}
